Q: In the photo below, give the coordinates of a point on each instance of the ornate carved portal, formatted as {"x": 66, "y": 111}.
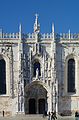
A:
{"x": 35, "y": 99}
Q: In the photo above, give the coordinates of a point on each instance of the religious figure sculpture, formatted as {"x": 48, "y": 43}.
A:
{"x": 37, "y": 73}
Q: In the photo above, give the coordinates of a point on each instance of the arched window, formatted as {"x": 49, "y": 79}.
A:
{"x": 2, "y": 77}
{"x": 36, "y": 66}
{"x": 71, "y": 75}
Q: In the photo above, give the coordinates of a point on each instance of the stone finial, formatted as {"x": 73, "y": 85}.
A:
{"x": 20, "y": 31}
{"x": 53, "y": 31}
{"x": 69, "y": 34}
{"x": 20, "y": 28}
{"x": 52, "y": 27}
{"x": 36, "y": 24}
{"x": 1, "y": 33}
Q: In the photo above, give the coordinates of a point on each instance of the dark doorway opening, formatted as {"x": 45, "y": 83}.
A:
{"x": 32, "y": 108}
{"x": 41, "y": 106}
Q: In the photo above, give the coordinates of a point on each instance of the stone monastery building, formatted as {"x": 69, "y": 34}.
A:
{"x": 39, "y": 72}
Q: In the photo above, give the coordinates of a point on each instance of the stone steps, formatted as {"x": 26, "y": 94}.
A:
{"x": 35, "y": 117}
{"x": 30, "y": 117}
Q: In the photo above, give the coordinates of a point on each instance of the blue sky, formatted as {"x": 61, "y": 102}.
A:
{"x": 64, "y": 14}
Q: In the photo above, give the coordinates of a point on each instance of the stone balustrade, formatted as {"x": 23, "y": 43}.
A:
{"x": 30, "y": 36}
{"x": 61, "y": 36}
{"x": 44, "y": 36}
{"x": 9, "y": 35}
{"x": 69, "y": 36}
{"x": 47, "y": 36}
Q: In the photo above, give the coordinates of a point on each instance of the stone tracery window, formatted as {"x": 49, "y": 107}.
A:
{"x": 36, "y": 66}
{"x": 71, "y": 75}
{"x": 2, "y": 77}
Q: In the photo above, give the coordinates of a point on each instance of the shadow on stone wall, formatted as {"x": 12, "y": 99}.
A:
{"x": 65, "y": 106}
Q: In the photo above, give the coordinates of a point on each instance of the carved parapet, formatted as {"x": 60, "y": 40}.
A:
{"x": 9, "y": 35}
{"x": 69, "y": 36}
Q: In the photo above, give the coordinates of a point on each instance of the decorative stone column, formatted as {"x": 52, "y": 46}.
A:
{"x": 49, "y": 101}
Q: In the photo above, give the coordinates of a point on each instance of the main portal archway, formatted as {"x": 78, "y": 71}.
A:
{"x": 35, "y": 99}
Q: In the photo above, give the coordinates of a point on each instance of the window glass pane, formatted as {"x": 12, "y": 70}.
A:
{"x": 2, "y": 77}
{"x": 71, "y": 75}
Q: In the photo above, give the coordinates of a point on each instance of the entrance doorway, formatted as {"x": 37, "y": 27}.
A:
{"x": 32, "y": 108}
{"x": 35, "y": 98}
{"x": 41, "y": 106}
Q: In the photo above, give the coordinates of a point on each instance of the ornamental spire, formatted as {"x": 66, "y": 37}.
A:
{"x": 53, "y": 31}
{"x": 20, "y": 31}
{"x": 69, "y": 34}
{"x": 52, "y": 27}
{"x": 36, "y": 24}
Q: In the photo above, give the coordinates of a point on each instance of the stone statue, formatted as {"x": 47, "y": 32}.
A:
{"x": 37, "y": 73}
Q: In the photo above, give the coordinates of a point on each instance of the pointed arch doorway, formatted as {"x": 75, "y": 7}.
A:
{"x": 35, "y": 99}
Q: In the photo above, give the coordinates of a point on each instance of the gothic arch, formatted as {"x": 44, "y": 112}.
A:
{"x": 35, "y": 83}
{"x": 75, "y": 59}
{"x": 37, "y": 56}
{"x": 2, "y": 77}
{"x": 36, "y": 91}
{"x": 7, "y": 74}
{"x": 71, "y": 75}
